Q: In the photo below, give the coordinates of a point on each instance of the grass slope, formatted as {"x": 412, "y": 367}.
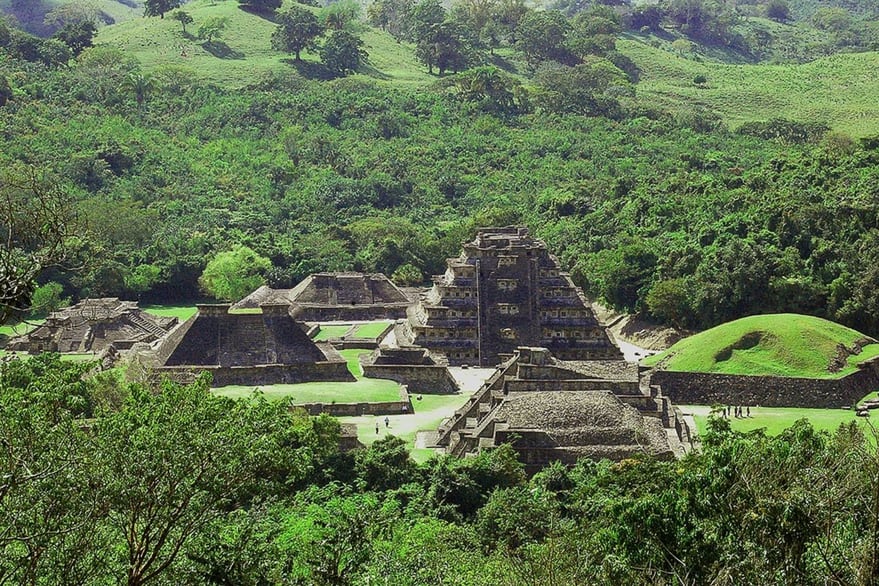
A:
{"x": 243, "y": 52}
{"x": 778, "y": 344}
{"x": 31, "y": 15}
{"x": 838, "y": 90}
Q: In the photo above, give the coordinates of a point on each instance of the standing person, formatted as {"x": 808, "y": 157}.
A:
{"x": 387, "y": 422}
{"x": 376, "y": 427}
{"x": 748, "y": 410}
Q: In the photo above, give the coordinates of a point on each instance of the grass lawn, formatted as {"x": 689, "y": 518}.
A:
{"x": 429, "y": 413}
{"x": 370, "y": 330}
{"x": 352, "y": 356}
{"x": 181, "y": 312}
{"x": 21, "y": 328}
{"x": 327, "y": 332}
{"x": 779, "y": 344}
{"x": 364, "y": 390}
{"x": 367, "y": 390}
{"x": 777, "y": 419}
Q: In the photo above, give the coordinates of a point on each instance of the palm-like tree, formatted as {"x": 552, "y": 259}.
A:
{"x": 140, "y": 85}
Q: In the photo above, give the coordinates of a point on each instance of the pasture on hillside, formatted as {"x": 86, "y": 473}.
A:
{"x": 839, "y": 90}
{"x": 242, "y": 53}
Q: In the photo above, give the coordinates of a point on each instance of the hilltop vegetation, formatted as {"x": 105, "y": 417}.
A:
{"x": 771, "y": 345}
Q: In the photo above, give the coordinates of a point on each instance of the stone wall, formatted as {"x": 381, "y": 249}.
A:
{"x": 264, "y": 374}
{"x": 429, "y": 379}
{"x": 768, "y": 391}
{"x": 370, "y": 312}
{"x": 404, "y": 405}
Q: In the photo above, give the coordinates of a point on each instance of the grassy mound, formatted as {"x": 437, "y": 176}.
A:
{"x": 783, "y": 344}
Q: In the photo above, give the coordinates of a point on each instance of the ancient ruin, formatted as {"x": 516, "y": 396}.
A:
{"x": 505, "y": 290}
{"x": 549, "y": 409}
{"x": 262, "y": 348}
{"x": 413, "y": 367}
{"x": 336, "y": 296}
{"x": 94, "y": 325}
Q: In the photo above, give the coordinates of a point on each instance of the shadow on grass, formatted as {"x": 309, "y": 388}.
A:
{"x": 269, "y": 15}
{"x": 221, "y": 50}
{"x": 367, "y": 69}
{"x": 503, "y": 63}
{"x": 310, "y": 70}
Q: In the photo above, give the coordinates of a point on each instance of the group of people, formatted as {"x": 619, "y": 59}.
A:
{"x": 737, "y": 410}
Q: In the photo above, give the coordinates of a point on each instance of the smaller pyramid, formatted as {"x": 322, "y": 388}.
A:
{"x": 336, "y": 296}
{"x": 250, "y": 348}
{"x": 94, "y": 325}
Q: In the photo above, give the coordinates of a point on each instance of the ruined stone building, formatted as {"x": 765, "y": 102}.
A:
{"x": 93, "y": 325}
{"x": 505, "y": 290}
{"x": 248, "y": 349}
{"x": 550, "y": 409}
{"x": 413, "y": 367}
{"x": 336, "y": 296}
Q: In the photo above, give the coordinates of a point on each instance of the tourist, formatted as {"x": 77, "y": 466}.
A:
{"x": 387, "y": 422}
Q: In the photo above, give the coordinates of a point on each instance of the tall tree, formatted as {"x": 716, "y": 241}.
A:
{"x": 297, "y": 30}
{"x": 39, "y": 229}
{"x": 232, "y": 275}
{"x": 172, "y": 463}
{"x": 212, "y": 28}
{"x": 78, "y": 35}
{"x": 183, "y": 18}
{"x": 342, "y": 52}
{"x": 159, "y": 7}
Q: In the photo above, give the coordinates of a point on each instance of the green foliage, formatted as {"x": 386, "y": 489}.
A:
{"x": 77, "y": 36}
{"x": 407, "y": 275}
{"x": 541, "y": 36}
{"x": 340, "y": 16}
{"x": 342, "y": 52}
{"x": 159, "y": 7}
{"x": 47, "y": 298}
{"x": 778, "y": 10}
{"x": 297, "y": 30}
{"x": 212, "y": 28}
{"x": 183, "y": 18}
{"x": 385, "y": 465}
{"x": 232, "y": 275}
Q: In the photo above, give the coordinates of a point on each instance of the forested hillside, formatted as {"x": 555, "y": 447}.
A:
{"x": 657, "y": 202}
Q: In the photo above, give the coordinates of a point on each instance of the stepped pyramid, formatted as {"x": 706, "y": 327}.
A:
{"x": 93, "y": 325}
{"x": 505, "y": 290}
{"x": 248, "y": 349}
{"x": 336, "y": 296}
{"x": 555, "y": 410}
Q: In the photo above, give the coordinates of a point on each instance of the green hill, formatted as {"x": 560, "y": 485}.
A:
{"x": 31, "y": 15}
{"x": 784, "y": 344}
{"x": 243, "y": 51}
{"x": 838, "y": 90}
